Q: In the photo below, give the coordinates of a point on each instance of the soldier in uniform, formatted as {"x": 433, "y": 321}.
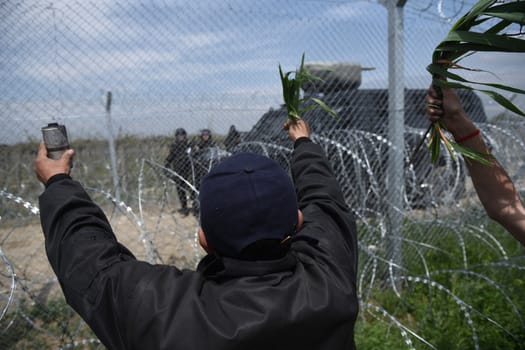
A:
{"x": 179, "y": 161}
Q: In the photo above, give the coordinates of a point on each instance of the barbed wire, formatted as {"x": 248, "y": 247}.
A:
{"x": 169, "y": 66}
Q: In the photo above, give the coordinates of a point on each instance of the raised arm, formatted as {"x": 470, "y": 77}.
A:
{"x": 327, "y": 216}
{"x": 493, "y": 185}
{"x": 312, "y": 173}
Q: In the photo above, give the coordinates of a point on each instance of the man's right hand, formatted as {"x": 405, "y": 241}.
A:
{"x": 297, "y": 129}
{"x": 46, "y": 167}
{"x": 450, "y": 110}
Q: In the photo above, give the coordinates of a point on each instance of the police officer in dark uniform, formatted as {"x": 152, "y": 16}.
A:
{"x": 203, "y": 158}
{"x": 179, "y": 161}
{"x": 232, "y": 139}
{"x": 203, "y": 144}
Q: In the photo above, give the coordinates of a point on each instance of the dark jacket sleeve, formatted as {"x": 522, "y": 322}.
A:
{"x": 328, "y": 218}
{"x": 100, "y": 278}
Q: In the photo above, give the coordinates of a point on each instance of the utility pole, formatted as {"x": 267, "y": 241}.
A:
{"x": 112, "y": 148}
{"x": 396, "y": 132}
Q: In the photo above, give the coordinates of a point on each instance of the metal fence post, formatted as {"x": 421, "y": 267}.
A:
{"x": 396, "y": 132}
{"x": 112, "y": 148}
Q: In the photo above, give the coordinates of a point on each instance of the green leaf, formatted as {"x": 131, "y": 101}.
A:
{"x": 460, "y": 49}
{"x": 439, "y": 131}
{"x": 494, "y": 95}
{"x": 513, "y": 12}
{"x": 307, "y": 109}
{"x": 437, "y": 136}
{"x": 503, "y": 101}
{"x": 292, "y": 92}
{"x": 435, "y": 142}
{"x": 498, "y": 27}
{"x": 326, "y": 108}
{"x": 483, "y": 158}
{"x": 515, "y": 17}
{"x": 470, "y": 17}
{"x": 439, "y": 70}
{"x": 496, "y": 41}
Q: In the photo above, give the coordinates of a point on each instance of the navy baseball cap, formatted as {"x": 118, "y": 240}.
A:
{"x": 244, "y": 199}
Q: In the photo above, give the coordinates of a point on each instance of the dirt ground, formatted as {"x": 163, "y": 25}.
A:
{"x": 172, "y": 237}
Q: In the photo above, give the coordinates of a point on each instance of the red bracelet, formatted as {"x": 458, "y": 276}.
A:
{"x": 468, "y": 136}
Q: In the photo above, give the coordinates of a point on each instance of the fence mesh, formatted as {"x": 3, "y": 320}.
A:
{"x": 154, "y": 93}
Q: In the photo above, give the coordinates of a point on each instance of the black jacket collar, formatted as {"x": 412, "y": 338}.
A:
{"x": 217, "y": 267}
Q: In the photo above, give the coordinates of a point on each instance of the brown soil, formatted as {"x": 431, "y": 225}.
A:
{"x": 172, "y": 237}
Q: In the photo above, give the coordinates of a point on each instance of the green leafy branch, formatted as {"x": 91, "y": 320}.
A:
{"x": 463, "y": 40}
{"x": 292, "y": 82}
{"x": 437, "y": 134}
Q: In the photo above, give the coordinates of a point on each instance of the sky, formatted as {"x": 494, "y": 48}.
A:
{"x": 199, "y": 63}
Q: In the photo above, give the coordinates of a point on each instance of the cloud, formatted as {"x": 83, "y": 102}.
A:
{"x": 161, "y": 56}
{"x": 349, "y": 11}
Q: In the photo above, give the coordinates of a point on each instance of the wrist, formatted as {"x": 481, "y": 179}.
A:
{"x": 460, "y": 126}
{"x": 468, "y": 136}
{"x": 301, "y": 140}
{"x": 55, "y": 178}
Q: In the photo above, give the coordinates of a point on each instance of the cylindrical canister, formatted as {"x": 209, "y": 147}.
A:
{"x": 55, "y": 139}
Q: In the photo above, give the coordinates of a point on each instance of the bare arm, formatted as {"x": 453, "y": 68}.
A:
{"x": 492, "y": 183}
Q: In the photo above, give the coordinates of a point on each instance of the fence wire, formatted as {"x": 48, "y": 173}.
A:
{"x": 178, "y": 86}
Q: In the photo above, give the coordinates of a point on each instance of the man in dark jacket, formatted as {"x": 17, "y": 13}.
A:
{"x": 179, "y": 161}
{"x": 232, "y": 139}
{"x": 203, "y": 153}
{"x": 275, "y": 277}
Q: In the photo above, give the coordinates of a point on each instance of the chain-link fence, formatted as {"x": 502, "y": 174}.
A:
{"x": 154, "y": 93}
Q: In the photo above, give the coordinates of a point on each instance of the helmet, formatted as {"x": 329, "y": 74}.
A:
{"x": 180, "y": 131}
